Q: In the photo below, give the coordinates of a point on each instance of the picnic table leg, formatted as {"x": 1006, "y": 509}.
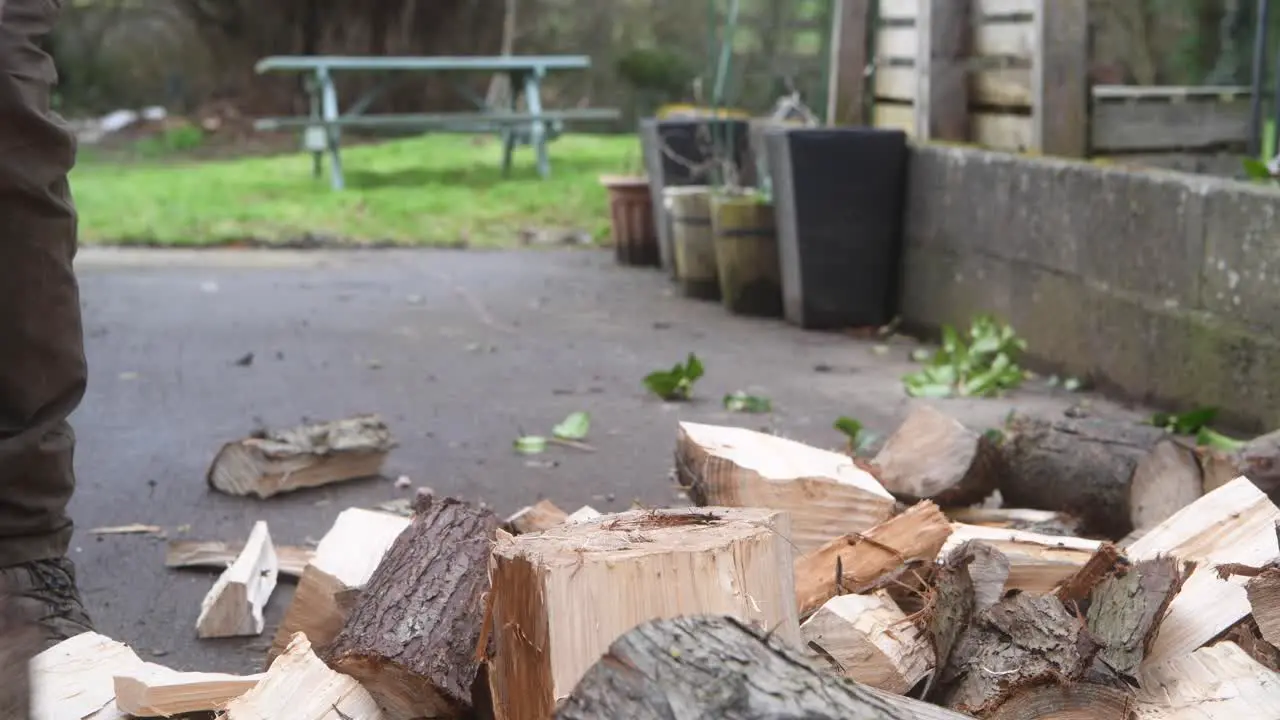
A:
{"x": 533, "y": 100}
{"x": 313, "y": 96}
{"x": 329, "y": 103}
{"x": 509, "y": 131}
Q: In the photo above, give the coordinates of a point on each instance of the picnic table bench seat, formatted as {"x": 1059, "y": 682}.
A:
{"x": 533, "y": 126}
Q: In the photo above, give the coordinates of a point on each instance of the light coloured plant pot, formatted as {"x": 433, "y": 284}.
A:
{"x": 747, "y": 260}
{"x": 693, "y": 242}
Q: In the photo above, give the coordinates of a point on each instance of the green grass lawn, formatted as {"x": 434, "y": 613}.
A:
{"x": 431, "y": 190}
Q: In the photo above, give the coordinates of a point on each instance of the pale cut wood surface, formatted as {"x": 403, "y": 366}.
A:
{"x": 912, "y": 538}
{"x": 215, "y": 554}
{"x": 233, "y": 606}
{"x": 1164, "y": 482}
{"x": 825, "y": 493}
{"x": 301, "y": 687}
{"x": 560, "y": 597}
{"x": 1037, "y": 562}
{"x": 1213, "y": 683}
{"x": 867, "y": 638}
{"x": 343, "y": 561}
{"x": 1233, "y": 524}
{"x": 158, "y": 691}
{"x": 74, "y": 679}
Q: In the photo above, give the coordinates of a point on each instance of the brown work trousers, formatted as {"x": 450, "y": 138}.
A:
{"x": 42, "y": 364}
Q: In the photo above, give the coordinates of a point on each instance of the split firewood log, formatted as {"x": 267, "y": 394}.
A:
{"x": 561, "y": 596}
{"x": 1114, "y": 475}
{"x": 312, "y": 455}
{"x": 1037, "y": 563}
{"x": 867, "y": 638}
{"x": 1220, "y": 682}
{"x": 411, "y": 638}
{"x": 1045, "y": 522}
{"x": 1233, "y": 524}
{"x": 535, "y": 518}
{"x": 1258, "y": 460}
{"x": 864, "y": 562}
{"x": 826, "y": 493}
{"x": 718, "y": 667}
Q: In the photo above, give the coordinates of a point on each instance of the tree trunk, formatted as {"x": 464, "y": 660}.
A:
{"x": 1085, "y": 468}
{"x": 411, "y": 640}
{"x": 716, "y": 667}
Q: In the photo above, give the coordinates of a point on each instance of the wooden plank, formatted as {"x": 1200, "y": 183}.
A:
{"x": 846, "y": 96}
{"x": 1170, "y": 92}
{"x": 1000, "y": 131}
{"x": 942, "y": 81}
{"x": 419, "y": 63}
{"x": 895, "y": 117}
{"x": 999, "y": 87}
{"x": 1005, "y": 39}
{"x": 1153, "y": 126}
{"x": 898, "y": 9}
{"x": 905, "y": 10}
{"x": 1060, "y": 78}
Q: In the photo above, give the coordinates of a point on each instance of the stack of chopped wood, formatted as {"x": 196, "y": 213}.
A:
{"x": 807, "y": 584}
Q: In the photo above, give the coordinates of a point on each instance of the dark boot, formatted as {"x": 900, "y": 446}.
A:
{"x": 44, "y": 593}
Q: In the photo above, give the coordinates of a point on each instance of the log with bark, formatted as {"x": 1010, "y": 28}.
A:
{"x": 313, "y": 455}
{"x": 826, "y": 493}
{"x": 342, "y": 563}
{"x": 1258, "y": 460}
{"x": 1068, "y": 702}
{"x": 867, "y": 638}
{"x": 540, "y": 516}
{"x": 560, "y": 597}
{"x": 411, "y": 639}
{"x": 1114, "y": 475}
{"x": 864, "y": 562}
{"x": 233, "y": 606}
{"x": 301, "y": 687}
{"x": 1263, "y": 592}
{"x": 1023, "y": 641}
{"x": 217, "y": 555}
{"x": 1037, "y": 563}
{"x": 1233, "y": 524}
{"x": 717, "y": 667}
{"x": 1126, "y": 610}
{"x": 934, "y": 457}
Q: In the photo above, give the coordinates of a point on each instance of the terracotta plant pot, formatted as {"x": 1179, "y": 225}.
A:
{"x": 635, "y": 241}
{"x": 747, "y": 254}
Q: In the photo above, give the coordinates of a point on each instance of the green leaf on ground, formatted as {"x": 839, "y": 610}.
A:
{"x": 979, "y": 363}
{"x": 676, "y": 383}
{"x": 1217, "y": 441}
{"x": 530, "y": 444}
{"x": 1188, "y": 423}
{"x": 859, "y": 438}
{"x": 742, "y": 402}
{"x": 574, "y": 427}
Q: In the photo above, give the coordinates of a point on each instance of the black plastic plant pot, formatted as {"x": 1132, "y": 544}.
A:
{"x": 838, "y": 196}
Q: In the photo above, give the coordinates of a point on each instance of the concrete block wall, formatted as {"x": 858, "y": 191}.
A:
{"x": 1161, "y": 286}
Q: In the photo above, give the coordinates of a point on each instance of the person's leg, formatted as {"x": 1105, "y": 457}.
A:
{"x": 42, "y": 364}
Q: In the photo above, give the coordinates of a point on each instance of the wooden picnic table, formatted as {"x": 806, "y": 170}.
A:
{"x": 535, "y": 126}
